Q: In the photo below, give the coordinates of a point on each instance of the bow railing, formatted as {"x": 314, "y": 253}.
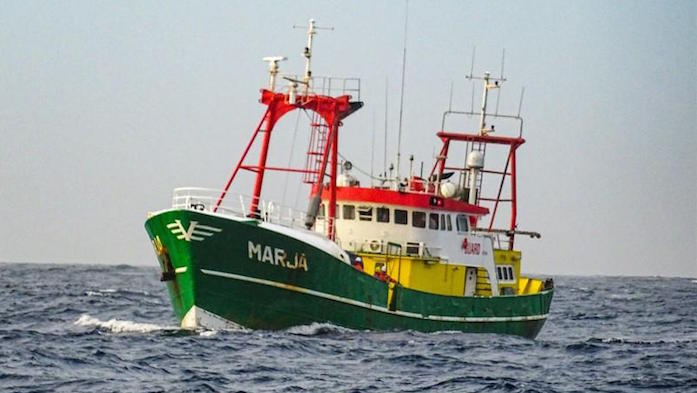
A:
{"x": 237, "y": 205}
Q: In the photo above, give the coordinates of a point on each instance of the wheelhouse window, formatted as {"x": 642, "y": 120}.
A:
{"x": 383, "y": 214}
{"x": 400, "y": 216}
{"x": 505, "y": 273}
{"x": 447, "y": 221}
{"x": 348, "y": 212}
{"x": 461, "y": 223}
{"x": 365, "y": 213}
{"x": 442, "y": 222}
{"x": 418, "y": 219}
{"x": 433, "y": 221}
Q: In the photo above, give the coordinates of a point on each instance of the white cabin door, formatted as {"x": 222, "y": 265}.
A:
{"x": 470, "y": 281}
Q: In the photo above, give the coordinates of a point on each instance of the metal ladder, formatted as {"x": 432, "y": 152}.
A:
{"x": 319, "y": 131}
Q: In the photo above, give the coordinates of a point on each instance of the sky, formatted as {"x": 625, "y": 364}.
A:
{"x": 106, "y": 106}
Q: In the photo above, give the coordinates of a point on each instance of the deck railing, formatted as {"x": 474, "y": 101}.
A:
{"x": 327, "y": 85}
{"x": 238, "y": 205}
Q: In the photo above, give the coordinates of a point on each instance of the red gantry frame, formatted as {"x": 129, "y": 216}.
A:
{"x": 513, "y": 143}
{"x": 332, "y": 110}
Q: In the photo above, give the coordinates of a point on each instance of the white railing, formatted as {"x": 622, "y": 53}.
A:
{"x": 238, "y": 205}
{"x": 327, "y": 85}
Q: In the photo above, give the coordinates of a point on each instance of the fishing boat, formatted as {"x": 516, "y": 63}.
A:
{"x": 414, "y": 252}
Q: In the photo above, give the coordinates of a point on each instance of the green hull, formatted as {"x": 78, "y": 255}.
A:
{"x": 267, "y": 277}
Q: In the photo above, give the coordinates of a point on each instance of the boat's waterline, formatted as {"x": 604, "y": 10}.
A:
{"x": 198, "y": 317}
{"x": 370, "y": 306}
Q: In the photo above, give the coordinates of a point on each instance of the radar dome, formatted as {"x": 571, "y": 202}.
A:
{"x": 475, "y": 159}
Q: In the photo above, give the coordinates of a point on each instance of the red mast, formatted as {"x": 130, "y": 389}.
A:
{"x": 332, "y": 111}
{"x": 474, "y": 169}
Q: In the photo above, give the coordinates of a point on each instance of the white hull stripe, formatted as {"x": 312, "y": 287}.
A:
{"x": 371, "y": 306}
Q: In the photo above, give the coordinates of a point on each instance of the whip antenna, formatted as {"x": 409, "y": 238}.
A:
{"x": 450, "y": 101}
{"x": 498, "y": 92}
{"x": 384, "y": 158}
{"x": 474, "y": 52}
{"x": 372, "y": 150}
{"x": 401, "y": 98}
{"x": 520, "y": 104}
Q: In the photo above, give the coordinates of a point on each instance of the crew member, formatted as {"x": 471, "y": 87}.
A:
{"x": 358, "y": 263}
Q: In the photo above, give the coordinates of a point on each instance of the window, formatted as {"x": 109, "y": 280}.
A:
{"x": 320, "y": 212}
{"x": 413, "y": 248}
{"x": 442, "y": 222}
{"x": 461, "y": 223}
{"x": 383, "y": 214}
{"x": 400, "y": 216}
{"x": 505, "y": 273}
{"x": 365, "y": 213}
{"x": 418, "y": 219}
{"x": 433, "y": 221}
{"x": 447, "y": 221}
{"x": 349, "y": 212}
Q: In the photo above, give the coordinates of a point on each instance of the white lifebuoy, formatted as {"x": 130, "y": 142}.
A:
{"x": 375, "y": 245}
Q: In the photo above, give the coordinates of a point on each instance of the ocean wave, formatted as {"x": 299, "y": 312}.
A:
{"x": 317, "y": 329}
{"x": 686, "y": 339}
{"x": 119, "y": 326}
{"x": 100, "y": 292}
{"x": 619, "y": 296}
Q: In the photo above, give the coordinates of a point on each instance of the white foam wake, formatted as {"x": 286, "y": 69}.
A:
{"x": 316, "y": 328}
{"x": 119, "y": 326}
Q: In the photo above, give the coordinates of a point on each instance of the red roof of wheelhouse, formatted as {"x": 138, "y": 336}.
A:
{"x": 403, "y": 198}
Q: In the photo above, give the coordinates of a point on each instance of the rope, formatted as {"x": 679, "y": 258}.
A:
{"x": 290, "y": 157}
{"x": 361, "y": 170}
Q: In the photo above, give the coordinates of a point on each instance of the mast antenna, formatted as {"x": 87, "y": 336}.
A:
{"x": 520, "y": 104}
{"x": 401, "y": 97}
{"x": 384, "y": 157}
{"x": 372, "y": 150}
{"x": 307, "y": 52}
{"x": 498, "y": 92}
{"x": 474, "y": 52}
{"x": 450, "y": 101}
{"x": 485, "y": 95}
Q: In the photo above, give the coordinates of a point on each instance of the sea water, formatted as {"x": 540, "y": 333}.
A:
{"x": 69, "y": 328}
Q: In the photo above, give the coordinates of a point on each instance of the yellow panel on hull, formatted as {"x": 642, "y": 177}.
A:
{"x": 433, "y": 276}
{"x": 428, "y": 275}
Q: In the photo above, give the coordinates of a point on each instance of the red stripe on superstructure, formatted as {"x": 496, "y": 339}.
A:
{"x": 397, "y": 198}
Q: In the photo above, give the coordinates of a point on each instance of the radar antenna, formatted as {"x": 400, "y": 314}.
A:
{"x": 273, "y": 69}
